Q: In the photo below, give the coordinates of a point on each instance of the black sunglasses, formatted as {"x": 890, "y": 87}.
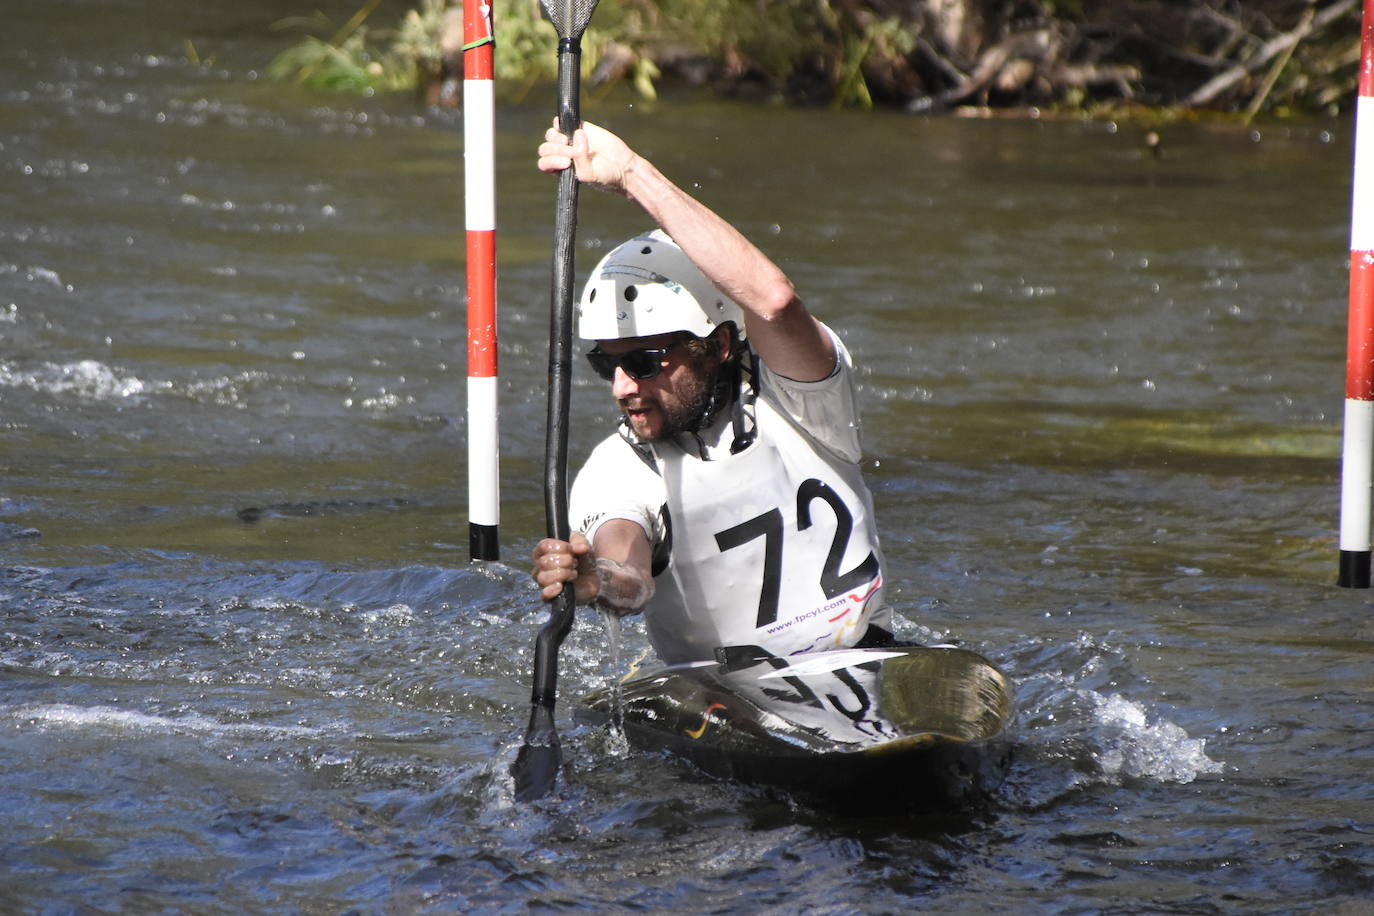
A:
{"x": 639, "y": 364}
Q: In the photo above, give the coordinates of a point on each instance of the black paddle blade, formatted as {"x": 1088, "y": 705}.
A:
{"x": 569, "y": 17}
{"x": 536, "y": 766}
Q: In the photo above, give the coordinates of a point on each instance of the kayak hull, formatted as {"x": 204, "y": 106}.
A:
{"x": 926, "y": 727}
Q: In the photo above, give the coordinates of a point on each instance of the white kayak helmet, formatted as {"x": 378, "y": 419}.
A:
{"x": 647, "y": 286}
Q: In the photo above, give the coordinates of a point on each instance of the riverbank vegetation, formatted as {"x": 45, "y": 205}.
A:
{"x": 1166, "y": 57}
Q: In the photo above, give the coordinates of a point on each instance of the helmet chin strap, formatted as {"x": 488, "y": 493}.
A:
{"x": 722, "y": 394}
{"x": 745, "y": 426}
{"x": 736, "y": 387}
{"x": 725, "y": 386}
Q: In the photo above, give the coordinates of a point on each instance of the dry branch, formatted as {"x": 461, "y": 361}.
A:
{"x": 1208, "y": 92}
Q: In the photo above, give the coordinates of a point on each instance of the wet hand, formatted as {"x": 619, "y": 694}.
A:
{"x": 600, "y": 157}
{"x": 556, "y": 563}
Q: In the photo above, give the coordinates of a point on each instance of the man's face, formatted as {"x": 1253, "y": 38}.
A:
{"x": 669, "y": 402}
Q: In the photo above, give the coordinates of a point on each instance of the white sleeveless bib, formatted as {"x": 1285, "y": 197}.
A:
{"x": 774, "y": 547}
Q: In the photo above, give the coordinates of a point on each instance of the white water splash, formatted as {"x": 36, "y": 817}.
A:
{"x": 93, "y": 380}
{"x": 87, "y": 378}
{"x": 225, "y": 390}
{"x": 1138, "y": 747}
{"x": 616, "y": 742}
{"x": 36, "y": 274}
{"x": 112, "y": 719}
{"x": 381, "y": 624}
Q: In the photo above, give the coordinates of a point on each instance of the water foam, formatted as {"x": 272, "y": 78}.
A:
{"x": 1139, "y": 747}
{"x": 92, "y": 380}
{"x": 87, "y": 378}
{"x": 113, "y": 719}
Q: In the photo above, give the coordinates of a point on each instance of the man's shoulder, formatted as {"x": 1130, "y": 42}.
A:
{"x": 616, "y": 482}
{"x": 841, "y": 374}
{"x": 826, "y": 410}
{"x": 614, "y": 447}
{"x": 617, "y": 456}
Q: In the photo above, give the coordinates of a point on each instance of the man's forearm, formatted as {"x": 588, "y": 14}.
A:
{"x": 784, "y": 334}
{"x": 622, "y": 588}
{"x": 724, "y": 254}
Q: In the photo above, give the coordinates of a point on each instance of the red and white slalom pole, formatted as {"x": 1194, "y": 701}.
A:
{"x": 1357, "y": 453}
{"x": 479, "y": 169}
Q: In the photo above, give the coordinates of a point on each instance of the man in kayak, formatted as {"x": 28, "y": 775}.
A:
{"x": 728, "y": 505}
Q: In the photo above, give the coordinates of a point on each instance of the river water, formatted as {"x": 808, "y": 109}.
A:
{"x": 246, "y": 666}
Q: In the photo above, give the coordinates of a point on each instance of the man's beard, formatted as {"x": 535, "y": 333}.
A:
{"x": 686, "y": 416}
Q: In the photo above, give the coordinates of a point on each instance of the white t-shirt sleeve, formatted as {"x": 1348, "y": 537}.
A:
{"x": 828, "y": 409}
{"x": 616, "y": 483}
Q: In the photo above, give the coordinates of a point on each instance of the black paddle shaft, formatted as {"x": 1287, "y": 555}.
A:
{"x": 560, "y": 378}
{"x": 561, "y": 304}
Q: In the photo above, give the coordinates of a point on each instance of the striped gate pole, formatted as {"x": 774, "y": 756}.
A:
{"x": 1356, "y": 458}
{"x": 479, "y": 186}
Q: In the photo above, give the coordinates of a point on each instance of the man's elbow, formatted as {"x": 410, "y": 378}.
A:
{"x": 778, "y": 303}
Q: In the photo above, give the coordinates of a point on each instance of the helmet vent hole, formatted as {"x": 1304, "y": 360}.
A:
{"x": 631, "y": 293}
{"x": 646, "y": 250}
{"x": 591, "y": 297}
